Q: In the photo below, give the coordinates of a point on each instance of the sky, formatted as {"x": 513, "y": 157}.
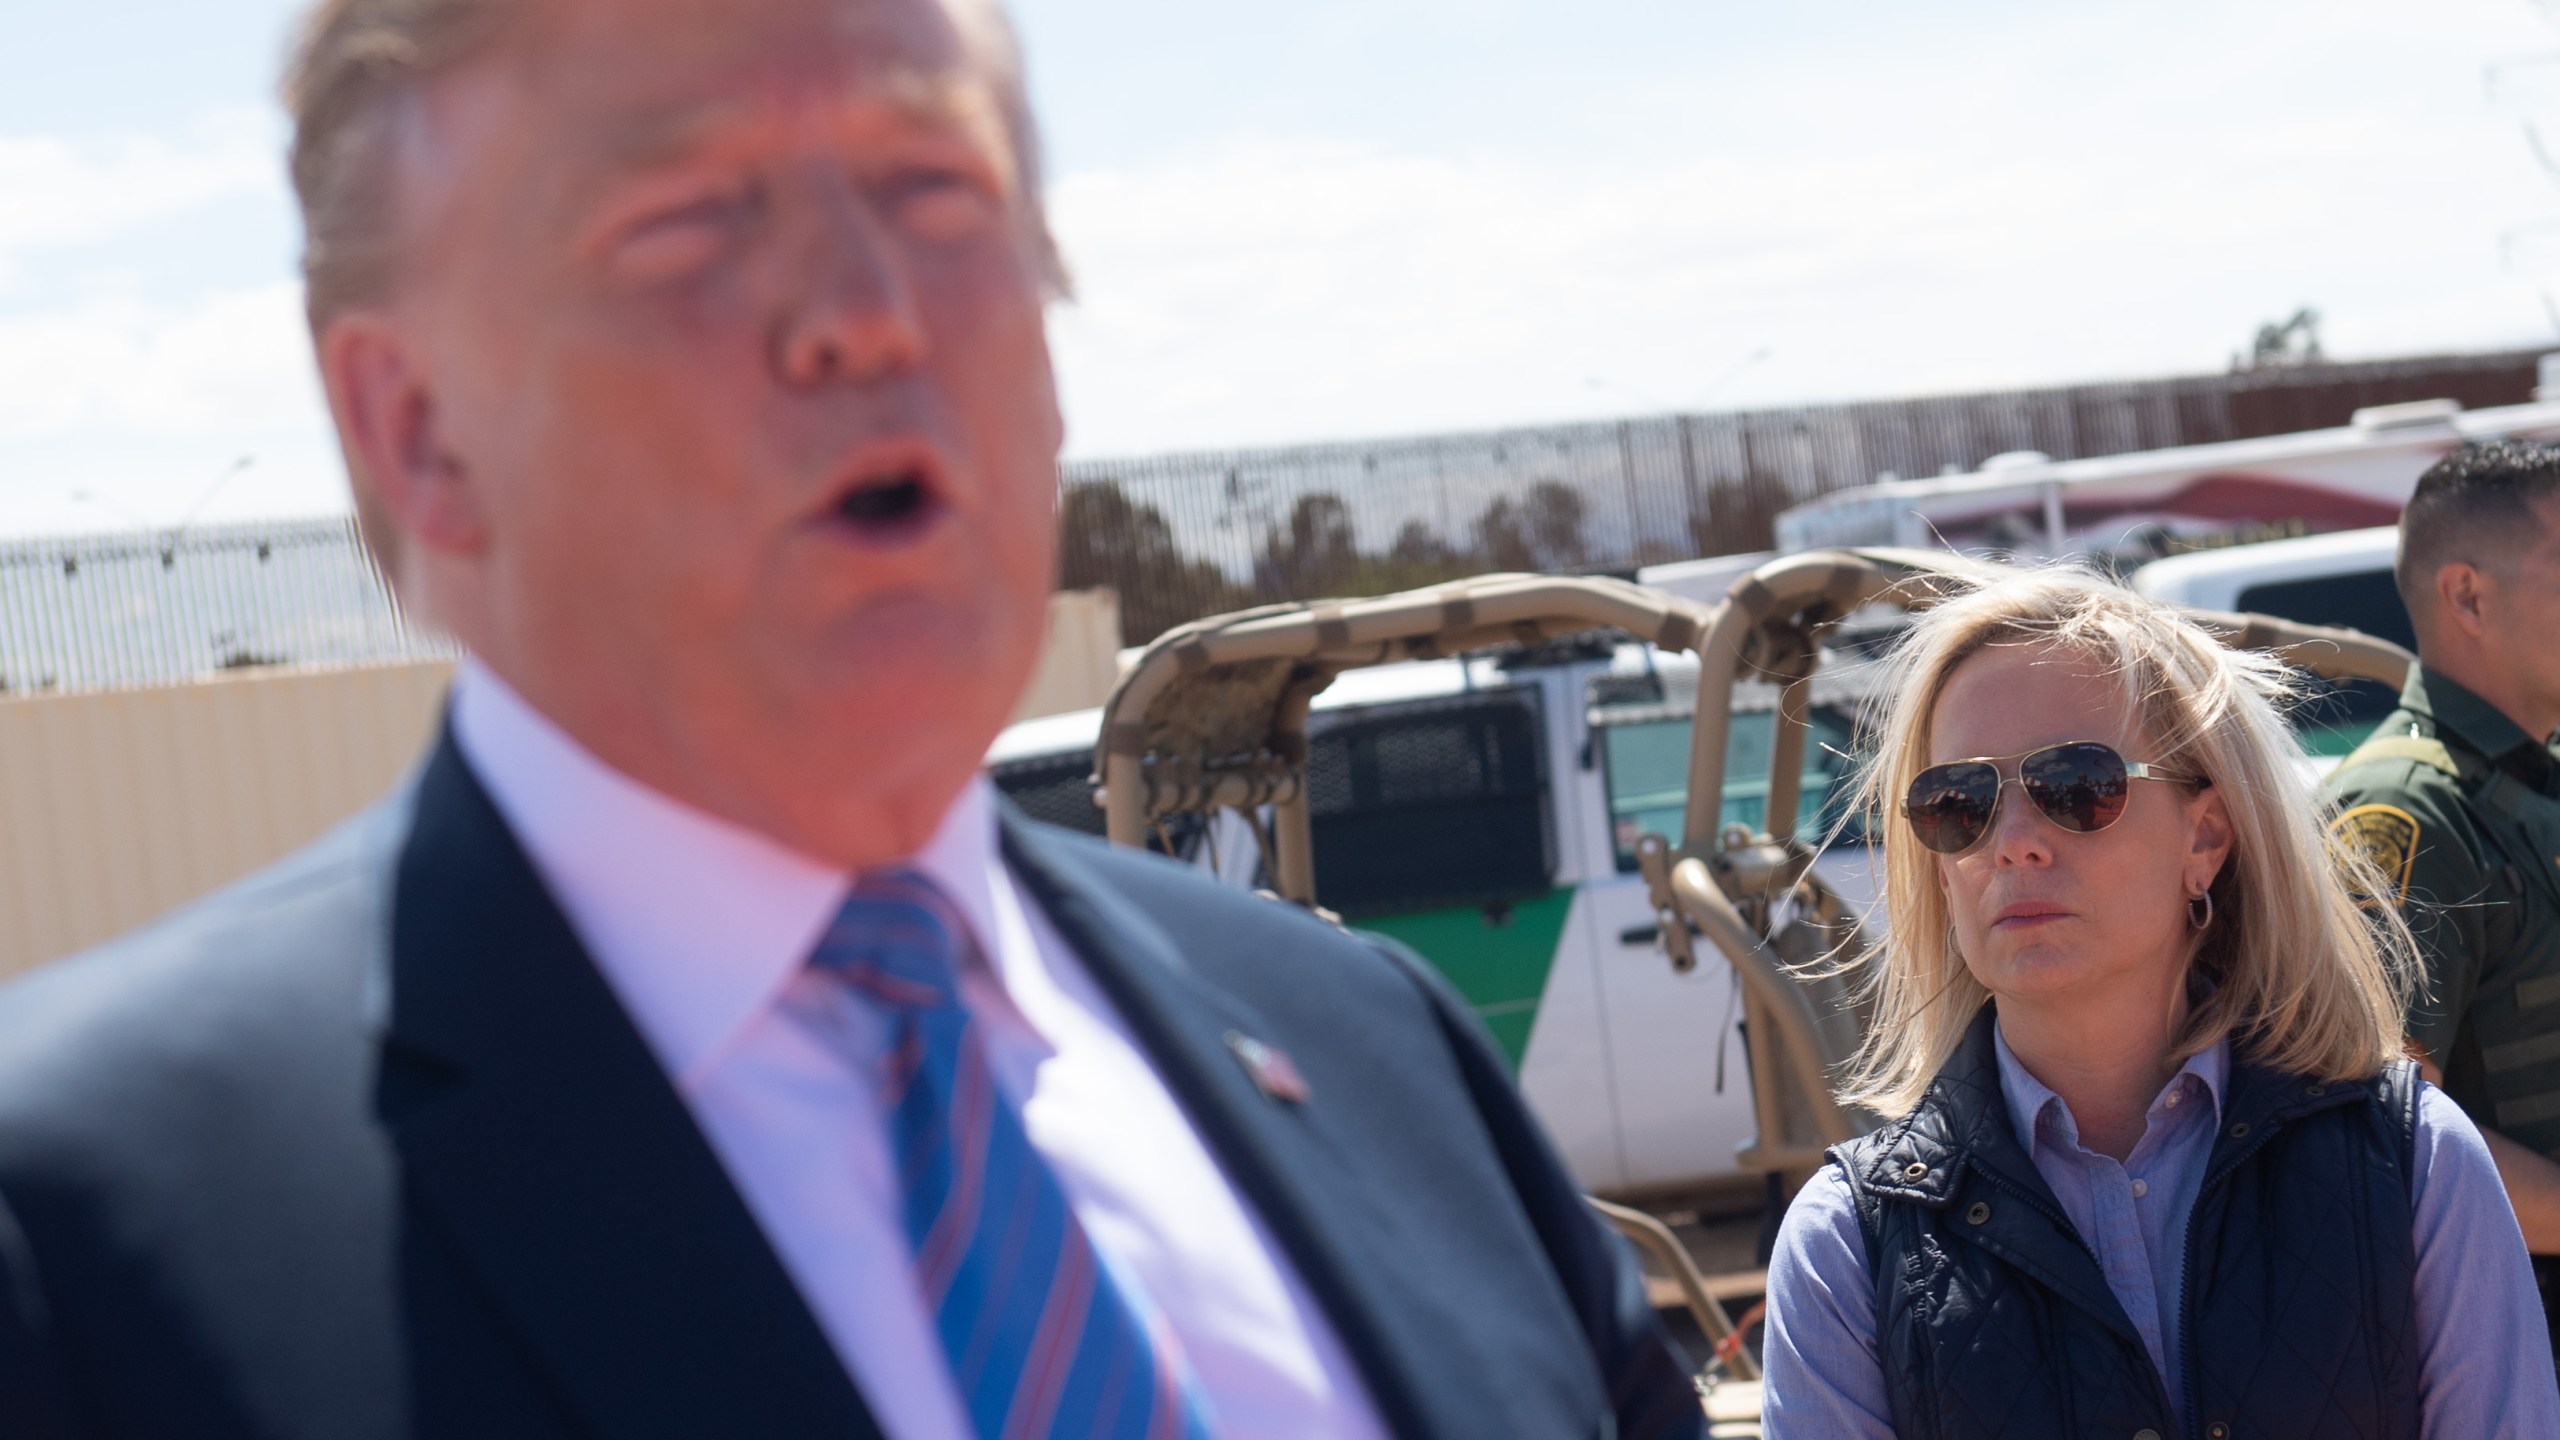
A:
{"x": 1349, "y": 218}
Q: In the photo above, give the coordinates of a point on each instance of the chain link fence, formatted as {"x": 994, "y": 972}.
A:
{"x": 1180, "y": 536}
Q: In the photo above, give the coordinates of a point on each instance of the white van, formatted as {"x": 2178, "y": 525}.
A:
{"x": 2340, "y": 579}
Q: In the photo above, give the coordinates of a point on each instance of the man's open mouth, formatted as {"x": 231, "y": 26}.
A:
{"x": 889, "y": 503}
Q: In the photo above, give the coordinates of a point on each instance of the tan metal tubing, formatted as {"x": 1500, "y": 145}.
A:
{"x": 2330, "y": 653}
{"x": 1496, "y": 601}
{"x": 1225, "y": 788}
{"x": 1846, "y": 579}
{"x": 1785, "y": 1001}
{"x": 1441, "y": 619}
{"x": 1293, "y": 834}
{"x": 1293, "y": 840}
{"x": 1655, "y": 1239}
{"x": 1786, "y": 754}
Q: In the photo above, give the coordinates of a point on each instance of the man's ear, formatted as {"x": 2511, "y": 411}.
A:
{"x": 385, "y": 406}
{"x": 2462, "y": 591}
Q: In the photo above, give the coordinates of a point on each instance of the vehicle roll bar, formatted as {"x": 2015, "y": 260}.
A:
{"x": 1771, "y": 625}
{"x": 1214, "y": 713}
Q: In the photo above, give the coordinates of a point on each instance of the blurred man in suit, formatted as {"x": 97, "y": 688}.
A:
{"x": 696, "y": 1047}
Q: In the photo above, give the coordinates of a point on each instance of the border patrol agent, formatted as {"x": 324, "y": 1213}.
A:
{"x": 2456, "y": 799}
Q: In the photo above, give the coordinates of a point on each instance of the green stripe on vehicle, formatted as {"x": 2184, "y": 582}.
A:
{"x": 1499, "y": 961}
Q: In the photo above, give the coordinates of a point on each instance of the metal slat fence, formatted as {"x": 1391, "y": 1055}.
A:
{"x": 1181, "y": 536}
{"x": 117, "y": 611}
{"x": 1186, "y": 535}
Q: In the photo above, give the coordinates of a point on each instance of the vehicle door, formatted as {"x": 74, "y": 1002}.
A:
{"x": 1676, "y": 1062}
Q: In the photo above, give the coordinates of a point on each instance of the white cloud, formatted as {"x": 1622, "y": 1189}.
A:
{"x": 115, "y": 411}
{"x": 2087, "y": 197}
{"x": 226, "y": 363}
{"x": 62, "y": 193}
{"x": 1933, "y": 200}
{"x": 126, "y": 384}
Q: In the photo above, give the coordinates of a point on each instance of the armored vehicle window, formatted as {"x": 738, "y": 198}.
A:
{"x": 1430, "y": 805}
{"x": 1059, "y": 789}
{"x": 1054, "y": 788}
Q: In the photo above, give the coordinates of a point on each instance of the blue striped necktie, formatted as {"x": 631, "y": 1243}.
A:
{"x": 1041, "y": 1340}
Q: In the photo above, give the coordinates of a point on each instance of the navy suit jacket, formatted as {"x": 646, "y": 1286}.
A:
{"x": 365, "y": 1149}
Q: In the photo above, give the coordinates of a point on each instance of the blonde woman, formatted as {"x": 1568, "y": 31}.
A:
{"x": 2160, "y": 1169}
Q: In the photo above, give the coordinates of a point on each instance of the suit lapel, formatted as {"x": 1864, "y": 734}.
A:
{"x": 540, "y": 1140}
{"x": 1277, "y": 1154}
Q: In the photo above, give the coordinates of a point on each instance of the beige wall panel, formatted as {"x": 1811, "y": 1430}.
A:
{"x": 117, "y": 807}
{"x": 1081, "y": 657}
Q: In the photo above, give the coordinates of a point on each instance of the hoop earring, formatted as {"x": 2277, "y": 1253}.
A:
{"x": 2200, "y": 919}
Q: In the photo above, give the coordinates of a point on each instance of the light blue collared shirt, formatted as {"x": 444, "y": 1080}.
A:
{"x": 2485, "y": 1369}
{"x": 2134, "y": 1213}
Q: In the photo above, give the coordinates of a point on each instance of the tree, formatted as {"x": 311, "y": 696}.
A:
{"x": 1314, "y": 556}
{"x": 1418, "y": 557}
{"x": 1542, "y": 531}
{"x": 2294, "y": 340}
{"x": 1740, "y": 514}
{"x": 1107, "y": 539}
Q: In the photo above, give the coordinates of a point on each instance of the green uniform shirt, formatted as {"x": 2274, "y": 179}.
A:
{"x": 2461, "y": 809}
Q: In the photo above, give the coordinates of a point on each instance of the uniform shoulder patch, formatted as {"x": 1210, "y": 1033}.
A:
{"x": 2386, "y": 835}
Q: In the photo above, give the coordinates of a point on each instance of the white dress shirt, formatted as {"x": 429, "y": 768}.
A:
{"x": 703, "y": 930}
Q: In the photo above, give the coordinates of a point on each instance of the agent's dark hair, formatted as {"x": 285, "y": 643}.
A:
{"x": 2476, "y": 506}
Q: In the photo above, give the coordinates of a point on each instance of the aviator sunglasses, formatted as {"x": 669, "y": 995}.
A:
{"x": 2080, "y": 786}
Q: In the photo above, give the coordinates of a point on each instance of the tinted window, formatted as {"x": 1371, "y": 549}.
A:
{"x": 1431, "y": 806}
{"x": 1414, "y": 807}
{"x": 1059, "y": 790}
{"x": 2366, "y": 601}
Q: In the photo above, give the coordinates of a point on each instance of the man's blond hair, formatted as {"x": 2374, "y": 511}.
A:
{"x": 356, "y": 67}
{"x": 2292, "y": 970}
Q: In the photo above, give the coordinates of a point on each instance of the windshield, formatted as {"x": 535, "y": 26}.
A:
{"x": 1645, "y": 763}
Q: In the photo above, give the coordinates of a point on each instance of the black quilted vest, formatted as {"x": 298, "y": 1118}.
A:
{"x": 1993, "y": 1319}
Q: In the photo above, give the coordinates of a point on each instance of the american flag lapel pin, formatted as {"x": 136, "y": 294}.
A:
{"x": 1272, "y": 1071}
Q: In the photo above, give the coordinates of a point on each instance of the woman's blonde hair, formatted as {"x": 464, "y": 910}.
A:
{"x": 2303, "y": 979}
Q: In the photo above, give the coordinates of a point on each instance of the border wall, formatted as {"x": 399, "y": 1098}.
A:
{"x": 1189, "y": 535}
